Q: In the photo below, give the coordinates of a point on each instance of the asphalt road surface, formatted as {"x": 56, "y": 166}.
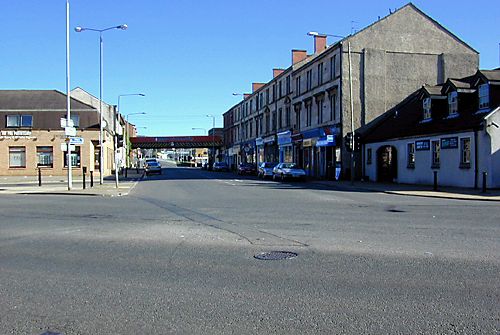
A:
{"x": 176, "y": 256}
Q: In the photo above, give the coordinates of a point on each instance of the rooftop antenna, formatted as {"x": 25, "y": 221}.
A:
{"x": 354, "y": 29}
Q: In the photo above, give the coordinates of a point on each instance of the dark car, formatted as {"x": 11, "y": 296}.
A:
{"x": 220, "y": 166}
{"x": 247, "y": 168}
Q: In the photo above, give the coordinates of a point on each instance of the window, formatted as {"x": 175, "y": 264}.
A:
{"x": 465, "y": 152}
{"x": 436, "y": 150}
{"x": 17, "y": 157}
{"x": 261, "y": 118}
{"x": 268, "y": 122}
{"x": 274, "y": 92}
{"x": 45, "y": 156}
{"x": 410, "y": 151}
{"x": 76, "y": 120}
{"x": 297, "y": 86}
{"x": 453, "y": 103}
{"x": 261, "y": 102}
{"x": 251, "y": 107}
{"x": 275, "y": 121}
{"x": 308, "y": 80}
{"x": 427, "y": 108}
{"x": 280, "y": 118}
{"x": 333, "y": 70}
{"x": 297, "y": 117}
{"x": 484, "y": 96}
{"x": 333, "y": 106}
{"x": 320, "y": 74}
{"x": 75, "y": 158}
{"x": 251, "y": 128}
{"x": 18, "y": 121}
{"x": 368, "y": 156}
{"x": 267, "y": 96}
{"x": 279, "y": 89}
{"x": 287, "y": 116}
{"x": 287, "y": 84}
{"x": 319, "y": 104}
{"x": 308, "y": 114}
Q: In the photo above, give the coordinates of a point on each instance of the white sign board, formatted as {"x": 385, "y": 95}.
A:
{"x": 70, "y": 131}
{"x": 64, "y": 147}
{"x": 65, "y": 123}
{"x": 76, "y": 140}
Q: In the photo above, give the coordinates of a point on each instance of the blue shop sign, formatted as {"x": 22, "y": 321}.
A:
{"x": 328, "y": 141}
{"x": 284, "y": 138}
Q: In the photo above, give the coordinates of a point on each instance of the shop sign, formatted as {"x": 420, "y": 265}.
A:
{"x": 269, "y": 140}
{"x": 284, "y": 138}
{"x": 259, "y": 141}
{"x": 16, "y": 134}
{"x": 308, "y": 142}
{"x": 449, "y": 143}
{"x": 422, "y": 145}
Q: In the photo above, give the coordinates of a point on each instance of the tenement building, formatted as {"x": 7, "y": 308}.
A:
{"x": 31, "y": 135}
{"x": 306, "y": 110}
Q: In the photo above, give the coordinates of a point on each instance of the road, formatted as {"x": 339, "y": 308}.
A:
{"x": 176, "y": 256}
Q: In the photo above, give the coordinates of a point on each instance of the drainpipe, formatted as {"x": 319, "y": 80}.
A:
{"x": 476, "y": 165}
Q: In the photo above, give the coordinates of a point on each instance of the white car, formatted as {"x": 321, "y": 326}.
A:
{"x": 284, "y": 171}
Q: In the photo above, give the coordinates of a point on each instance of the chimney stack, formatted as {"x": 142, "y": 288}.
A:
{"x": 256, "y": 86}
{"x": 319, "y": 43}
{"x": 277, "y": 72}
{"x": 298, "y": 56}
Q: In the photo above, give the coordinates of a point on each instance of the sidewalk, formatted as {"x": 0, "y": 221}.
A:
{"x": 58, "y": 185}
{"x": 414, "y": 190}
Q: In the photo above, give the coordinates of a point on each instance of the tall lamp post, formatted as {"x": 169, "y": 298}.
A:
{"x": 204, "y": 130}
{"x": 100, "y": 31}
{"x": 68, "y": 100}
{"x": 213, "y": 137}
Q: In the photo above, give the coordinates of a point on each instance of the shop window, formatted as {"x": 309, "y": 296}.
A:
{"x": 75, "y": 158}
{"x": 411, "y": 155}
{"x": 465, "y": 153}
{"x": 45, "y": 156}
{"x": 17, "y": 157}
{"x": 427, "y": 109}
{"x": 453, "y": 103}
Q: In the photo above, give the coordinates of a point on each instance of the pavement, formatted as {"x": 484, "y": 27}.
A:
{"x": 58, "y": 185}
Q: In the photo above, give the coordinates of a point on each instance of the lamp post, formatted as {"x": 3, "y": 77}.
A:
{"x": 100, "y": 31}
{"x": 125, "y": 139}
{"x": 213, "y": 137}
{"x": 68, "y": 100}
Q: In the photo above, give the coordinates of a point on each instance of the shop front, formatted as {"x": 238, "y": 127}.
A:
{"x": 259, "y": 144}
{"x": 270, "y": 149}
{"x": 248, "y": 152}
{"x": 285, "y": 147}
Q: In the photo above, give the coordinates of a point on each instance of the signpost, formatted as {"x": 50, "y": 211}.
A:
{"x": 76, "y": 140}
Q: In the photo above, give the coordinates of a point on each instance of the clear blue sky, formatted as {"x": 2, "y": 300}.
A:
{"x": 188, "y": 56}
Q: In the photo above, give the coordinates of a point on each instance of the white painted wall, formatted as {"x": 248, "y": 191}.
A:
{"x": 449, "y": 173}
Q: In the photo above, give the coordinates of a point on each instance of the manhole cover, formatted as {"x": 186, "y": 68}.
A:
{"x": 275, "y": 255}
{"x": 51, "y": 333}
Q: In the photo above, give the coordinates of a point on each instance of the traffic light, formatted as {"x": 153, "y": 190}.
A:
{"x": 348, "y": 142}
{"x": 357, "y": 142}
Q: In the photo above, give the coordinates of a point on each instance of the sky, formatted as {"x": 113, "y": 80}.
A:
{"x": 187, "y": 56}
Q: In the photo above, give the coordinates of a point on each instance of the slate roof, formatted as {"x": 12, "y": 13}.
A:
{"x": 491, "y": 75}
{"x": 405, "y": 120}
{"x": 38, "y": 100}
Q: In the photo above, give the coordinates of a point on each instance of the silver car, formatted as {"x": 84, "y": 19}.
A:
{"x": 284, "y": 171}
{"x": 152, "y": 167}
{"x": 266, "y": 170}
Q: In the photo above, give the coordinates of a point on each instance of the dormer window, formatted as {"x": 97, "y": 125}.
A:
{"x": 427, "y": 109}
{"x": 453, "y": 103}
{"x": 484, "y": 96}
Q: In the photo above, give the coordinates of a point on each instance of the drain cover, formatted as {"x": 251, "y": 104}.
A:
{"x": 275, "y": 255}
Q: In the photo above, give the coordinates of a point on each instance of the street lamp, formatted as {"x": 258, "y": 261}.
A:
{"x": 315, "y": 33}
{"x": 100, "y": 31}
{"x": 213, "y": 137}
{"x": 68, "y": 100}
{"x": 204, "y": 129}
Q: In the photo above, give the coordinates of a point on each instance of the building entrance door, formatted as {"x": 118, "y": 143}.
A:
{"x": 387, "y": 164}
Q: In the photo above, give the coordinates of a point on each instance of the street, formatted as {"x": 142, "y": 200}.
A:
{"x": 176, "y": 256}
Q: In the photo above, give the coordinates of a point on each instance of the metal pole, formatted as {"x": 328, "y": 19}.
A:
{"x": 39, "y": 176}
{"x": 101, "y": 154}
{"x": 115, "y": 115}
{"x": 68, "y": 99}
{"x": 352, "y": 112}
{"x": 213, "y": 139}
{"x": 435, "y": 186}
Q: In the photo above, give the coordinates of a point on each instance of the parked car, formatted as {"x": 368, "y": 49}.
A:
{"x": 220, "y": 166}
{"x": 284, "y": 171}
{"x": 247, "y": 168}
{"x": 152, "y": 167}
{"x": 204, "y": 166}
{"x": 266, "y": 169}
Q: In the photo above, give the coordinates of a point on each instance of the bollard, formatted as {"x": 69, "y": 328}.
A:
{"x": 483, "y": 190}
{"x": 39, "y": 176}
{"x": 435, "y": 188}
{"x": 84, "y": 173}
{"x": 91, "y": 178}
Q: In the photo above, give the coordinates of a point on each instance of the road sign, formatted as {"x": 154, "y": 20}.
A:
{"x": 64, "y": 147}
{"x": 65, "y": 123}
{"x": 76, "y": 140}
{"x": 70, "y": 131}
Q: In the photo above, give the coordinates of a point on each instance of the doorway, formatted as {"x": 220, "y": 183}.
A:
{"x": 387, "y": 164}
